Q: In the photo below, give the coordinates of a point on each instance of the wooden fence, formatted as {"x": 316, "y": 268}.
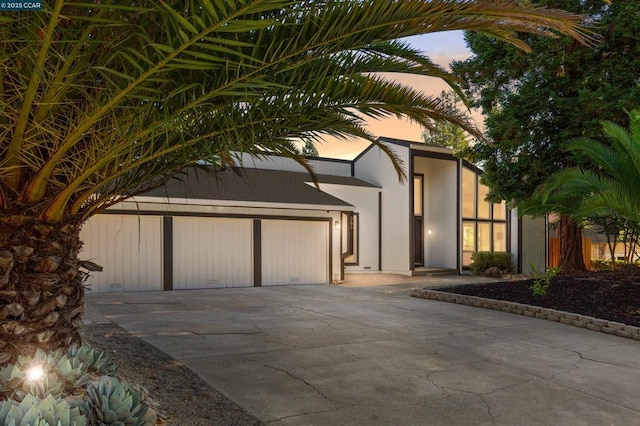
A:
{"x": 554, "y": 252}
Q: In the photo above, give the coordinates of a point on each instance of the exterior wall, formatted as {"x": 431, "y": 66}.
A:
{"x": 533, "y": 241}
{"x": 320, "y": 166}
{"x": 440, "y": 211}
{"x": 375, "y": 166}
{"x": 514, "y": 233}
{"x": 365, "y": 201}
{"x": 129, "y": 248}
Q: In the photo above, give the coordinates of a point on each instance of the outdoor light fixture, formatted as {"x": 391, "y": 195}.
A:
{"x": 337, "y": 225}
{"x": 36, "y": 376}
{"x": 35, "y": 373}
{"x": 430, "y": 231}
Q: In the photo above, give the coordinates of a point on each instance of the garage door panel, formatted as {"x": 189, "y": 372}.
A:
{"x": 212, "y": 252}
{"x": 129, "y": 248}
{"x": 295, "y": 252}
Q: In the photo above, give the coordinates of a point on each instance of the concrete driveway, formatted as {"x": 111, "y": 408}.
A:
{"x": 331, "y": 355}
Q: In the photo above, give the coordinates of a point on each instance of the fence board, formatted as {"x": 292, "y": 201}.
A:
{"x": 554, "y": 252}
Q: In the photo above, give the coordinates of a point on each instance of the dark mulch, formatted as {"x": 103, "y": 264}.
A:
{"x": 611, "y": 295}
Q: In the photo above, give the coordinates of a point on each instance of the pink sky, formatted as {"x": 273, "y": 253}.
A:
{"x": 442, "y": 48}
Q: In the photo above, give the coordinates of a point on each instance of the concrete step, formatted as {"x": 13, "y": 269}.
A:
{"x": 433, "y": 272}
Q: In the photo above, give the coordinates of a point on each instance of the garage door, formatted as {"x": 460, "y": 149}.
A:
{"x": 128, "y": 247}
{"x": 295, "y": 252}
{"x": 212, "y": 252}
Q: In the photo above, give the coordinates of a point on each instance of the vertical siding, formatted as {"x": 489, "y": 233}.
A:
{"x": 376, "y": 167}
{"x": 534, "y": 241}
{"x": 129, "y": 248}
{"x": 365, "y": 200}
{"x": 440, "y": 211}
{"x": 212, "y": 252}
{"x": 295, "y": 252}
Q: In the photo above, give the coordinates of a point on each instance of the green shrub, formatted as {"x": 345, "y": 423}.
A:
{"x": 599, "y": 265}
{"x": 542, "y": 281}
{"x": 483, "y": 260}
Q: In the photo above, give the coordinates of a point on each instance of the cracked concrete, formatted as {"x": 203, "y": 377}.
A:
{"x": 327, "y": 355}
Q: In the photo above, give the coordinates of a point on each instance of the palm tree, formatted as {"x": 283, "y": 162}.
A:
{"x": 610, "y": 187}
{"x": 101, "y": 101}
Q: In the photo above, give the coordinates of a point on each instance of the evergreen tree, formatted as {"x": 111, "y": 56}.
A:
{"x": 535, "y": 103}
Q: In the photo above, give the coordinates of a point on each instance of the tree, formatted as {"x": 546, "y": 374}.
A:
{"x": 610, "y": 186}
{"x": 309, "y": 149}
{"x": 534, "y": 104}
{"x": 101, "y": 101}
{"x": 445, "y": 134}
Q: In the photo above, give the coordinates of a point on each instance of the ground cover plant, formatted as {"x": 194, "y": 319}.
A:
{"x": 73, "y": 388}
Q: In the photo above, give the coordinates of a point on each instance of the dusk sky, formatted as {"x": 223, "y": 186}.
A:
{"x": 442, "y": 48}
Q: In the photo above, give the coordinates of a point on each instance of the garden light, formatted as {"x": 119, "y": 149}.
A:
{"x": 35, "y": 373}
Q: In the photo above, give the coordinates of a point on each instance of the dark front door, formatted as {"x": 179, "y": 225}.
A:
{"x": 418, "y": 238}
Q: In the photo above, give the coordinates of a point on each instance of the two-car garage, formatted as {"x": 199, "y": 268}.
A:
{"x": 146, "y": 252}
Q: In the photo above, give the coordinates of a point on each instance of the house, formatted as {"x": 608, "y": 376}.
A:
{"x": 268, "y": 224}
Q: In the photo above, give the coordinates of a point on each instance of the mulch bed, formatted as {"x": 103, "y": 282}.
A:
{"x": 610, "y": 295}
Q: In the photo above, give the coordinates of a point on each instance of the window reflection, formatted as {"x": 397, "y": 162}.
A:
{"x": 484, "y": 226}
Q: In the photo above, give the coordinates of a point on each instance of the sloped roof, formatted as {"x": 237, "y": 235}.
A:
{"x": 255, "y": 185}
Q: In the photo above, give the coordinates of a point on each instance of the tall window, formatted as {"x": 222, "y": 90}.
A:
{"x": 484, "y": 225}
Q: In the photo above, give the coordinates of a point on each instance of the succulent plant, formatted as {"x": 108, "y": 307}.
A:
{"x": 115, "y": 403}
{"x": 15, "y": 384}
{"x": 33, "y": 411}
{"x": 95, "y": 361}
{"x": 73, "y": 372}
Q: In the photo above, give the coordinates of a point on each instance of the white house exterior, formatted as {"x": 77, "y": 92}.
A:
{"x": 270, "y": 225}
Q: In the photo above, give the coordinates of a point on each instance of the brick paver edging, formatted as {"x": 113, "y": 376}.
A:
{"x": 583, "y": 321}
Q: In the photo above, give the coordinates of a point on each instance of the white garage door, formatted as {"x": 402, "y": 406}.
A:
{"x": 128, "y": 247}
{"x": 212, "y": 252}
{"x": 295, "y": 252}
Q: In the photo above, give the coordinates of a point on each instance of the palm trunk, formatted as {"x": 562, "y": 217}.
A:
{"x": 41, "y": 286}
{"x": 570, "y": 235}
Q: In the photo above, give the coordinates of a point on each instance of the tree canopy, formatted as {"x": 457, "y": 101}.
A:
{"x": 445, "y": 134}
{"x": 534, "y": 104}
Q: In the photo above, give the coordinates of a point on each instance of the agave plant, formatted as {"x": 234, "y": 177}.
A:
{"x": 114, "y": 403}
{"x": 94, "y": 361}
{"x": 101, "y": 101}
{"x": 33, "y": 411}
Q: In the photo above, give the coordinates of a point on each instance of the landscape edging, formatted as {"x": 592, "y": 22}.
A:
{"x": 577, "y": 320}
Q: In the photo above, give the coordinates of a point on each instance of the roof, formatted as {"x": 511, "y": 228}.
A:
{"x": 255, "y": 185}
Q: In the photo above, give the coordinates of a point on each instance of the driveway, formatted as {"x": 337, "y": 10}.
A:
{"x": 332, "y": 355}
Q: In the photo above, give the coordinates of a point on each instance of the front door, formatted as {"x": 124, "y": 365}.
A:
{"x": 418, "y": 238}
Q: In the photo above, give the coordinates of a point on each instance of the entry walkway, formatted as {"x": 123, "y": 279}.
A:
{"x": 337, "y": 355}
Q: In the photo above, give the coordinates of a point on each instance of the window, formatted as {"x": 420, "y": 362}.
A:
{"x": 350, "y": 238}
{"x": 484, "y": 225}
{"x": 468, "y": 193}
{"x": 417, "y": 195}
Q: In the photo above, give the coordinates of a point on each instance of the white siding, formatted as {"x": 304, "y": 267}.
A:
{"x": 365, "y": 199}
{"x": 128, "y": 247}
{"x": 440, "y": 211}
{"x": 376, "y": 167}
{"x": 534, "y": 244}
{"x": 295, "y": 252}
{"x": 212, "y": 252}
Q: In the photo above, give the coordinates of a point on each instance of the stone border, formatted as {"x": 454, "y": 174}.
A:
{"x": 582, "y": 321}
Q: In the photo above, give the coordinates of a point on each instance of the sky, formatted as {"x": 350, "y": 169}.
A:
{"x": 442, "y": 48}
